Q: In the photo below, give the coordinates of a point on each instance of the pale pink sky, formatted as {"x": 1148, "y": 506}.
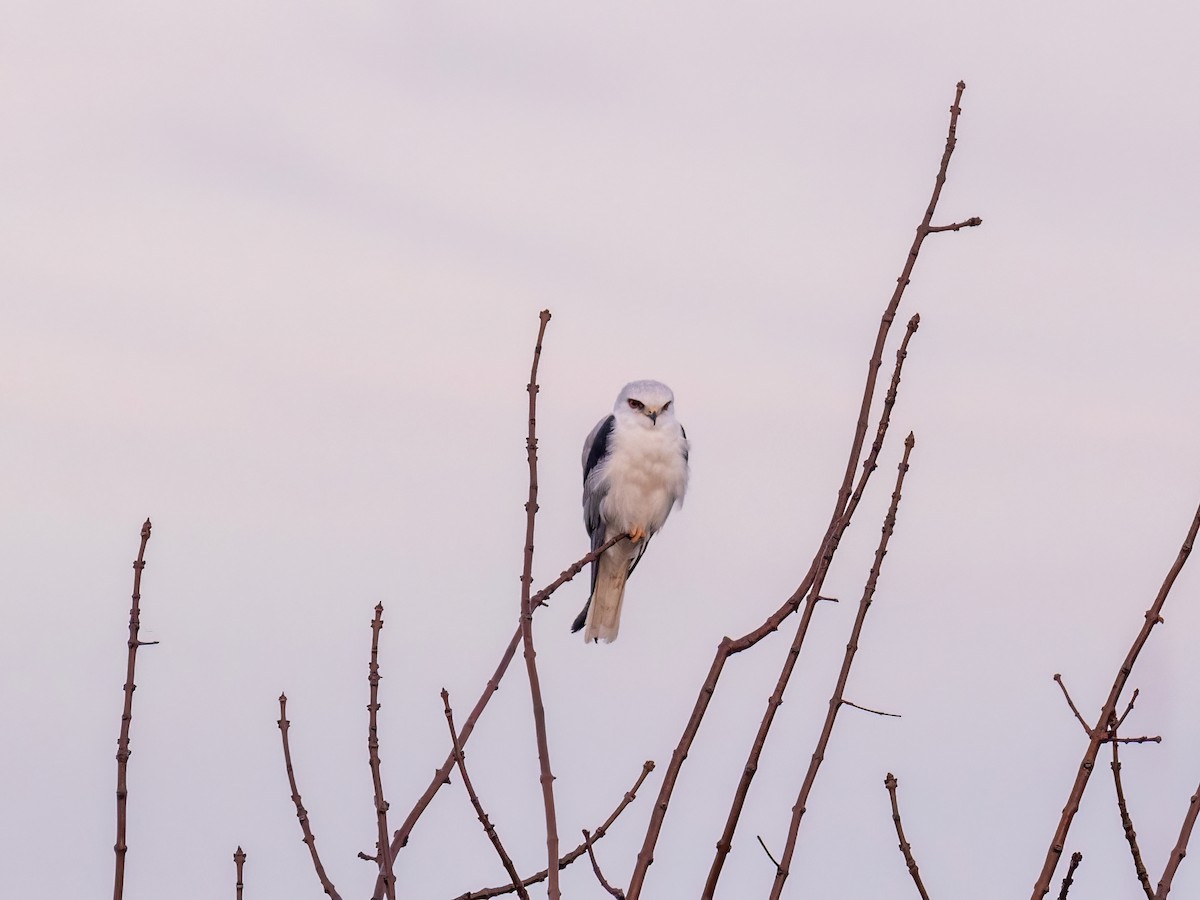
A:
{"x": 271, "y": 276}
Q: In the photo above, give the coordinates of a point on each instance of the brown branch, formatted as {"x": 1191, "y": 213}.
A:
{"x": 839, "y": 521}
{"x": 614, "y": 892}
{"x": 461, "y": 760}
{"x": 1076, "y": 859}
{"x": 874, "y": 712}
{"x": 1087, "y": 729}
{"x": 1180, "y": 851}
{"x": 442, "y": 775}
{"x": 239, "y": 860}
{"x": 835, "y": 702}
{"x": 629, "y": 797}
{"x": 123, "y": 752}
{"x": 301, "y": 812}
{"x": 1107, "y": 713}
{"x": 383, "y": 850}
{"x": 1127, "y": 823}
{"x": 891, "y": 784}
{"x": 1128, "y": 710}
{"x": 812, "y": 585}
{"x": 966, "y": 223}
{"x": 535, "y": 687}
{"x": 1156, "y": 739}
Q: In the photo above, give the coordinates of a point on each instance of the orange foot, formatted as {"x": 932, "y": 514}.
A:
{"x": 637, "y": 534}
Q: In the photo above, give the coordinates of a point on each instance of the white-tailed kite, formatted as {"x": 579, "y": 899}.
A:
{"x": 635, "y": 469}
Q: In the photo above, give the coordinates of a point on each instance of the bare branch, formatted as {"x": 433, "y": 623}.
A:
{"x": 770, "y": 855}
{"x": 813, "y": 585}
{"x": 629, "y": 797}
{"x": 442, "y": 775}
{"x": 239, "y": 860}
{"x": 835, "y": 702}
{"x": 891, "y": 784}
{"x": 535, "y": 688}
{"x": 461, "y": 760}
{"x": 383, "y": 851}
{"x": 1076, "y": 859}
{"x": 874, "y": 712}
{"x": 966, "y": 223}
{"x": 301, "y": 813}
{"x": 1180, "y": 851}
{"x": 1071, "y": 703}
{"x": 1107, "y": 713}
{"x": 839, "y": 521}
{"x": 123, "y": 752}
{"x": 1127, "y": 823}
{"x": 614, "y": 892}
{"x": 1128, "y": 710}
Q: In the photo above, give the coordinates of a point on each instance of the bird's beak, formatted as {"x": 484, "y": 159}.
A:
{"x": 653, "y": 417}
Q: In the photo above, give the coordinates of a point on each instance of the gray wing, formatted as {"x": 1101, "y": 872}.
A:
{"x": 595, "y": 452}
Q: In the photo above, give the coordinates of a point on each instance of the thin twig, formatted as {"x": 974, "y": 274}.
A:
{"x": 770, "y": 855}
{"x": 614, "y": 892}
{"x": 1128, "y": 710}
{"x": 442, "y": 775}
{"x": 966, "y": 223}
{"x": 874, "y": 712}
{"x": 1076, "y": 859}
{"x": 1087, "y": 729}
{"x": 535, "y": 688}
{"x": 835, "y": 701}
{"x": 579, "y": 851}
{"x": 461, "y": 760}
{"x": 1180, "y": 851}
{"x": 1145, "y": 739}
{"x": 838, "y": 522}
{"x": 891, "y": 784}
{"x": 239, "y": 860}
{"x": 301, "y": 813}
{"x": 123, "y": 752}
{"x": 1098, "y": 734}
{"x": 1127, "y": 823}
{"x": 383, "y": 850}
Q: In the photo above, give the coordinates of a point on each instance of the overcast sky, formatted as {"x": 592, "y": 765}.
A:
{"x": 271, "y": 275}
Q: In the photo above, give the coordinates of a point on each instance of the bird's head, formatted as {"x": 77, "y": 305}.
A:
{"x": 646, "y": 403}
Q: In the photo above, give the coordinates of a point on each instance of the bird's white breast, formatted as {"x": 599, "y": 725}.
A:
{"x": 646, "y": 474}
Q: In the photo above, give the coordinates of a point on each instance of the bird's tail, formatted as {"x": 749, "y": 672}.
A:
{"x": 604, "y": 608}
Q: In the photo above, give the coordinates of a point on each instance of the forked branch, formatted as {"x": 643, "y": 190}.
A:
{"x": 579, "y": 851}
{"x": 461, "y": 761}
{"x": 835, "y": 701}
{"x": 612, "y": 891}
{"x": 442, "y": 774}
{"x": 1099, "y": 733}
{"x": 729, "y": 646}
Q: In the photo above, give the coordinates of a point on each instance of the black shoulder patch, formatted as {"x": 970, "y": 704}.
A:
{"x": 599, "y": 447}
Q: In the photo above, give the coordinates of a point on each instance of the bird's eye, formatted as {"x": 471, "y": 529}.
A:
{"x": 636, "y": 404}
{"x": 666, "y": 406}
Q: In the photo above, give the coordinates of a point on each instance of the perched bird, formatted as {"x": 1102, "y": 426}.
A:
{"x": 635, "y": 469}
